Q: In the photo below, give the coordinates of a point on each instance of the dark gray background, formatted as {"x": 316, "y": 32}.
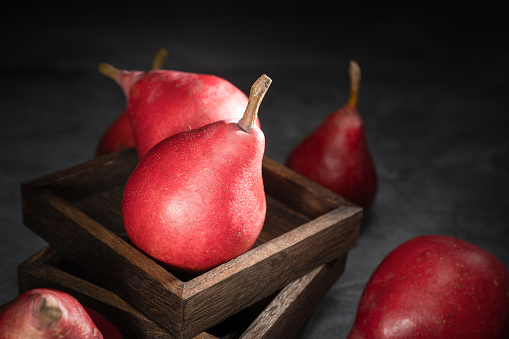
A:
{"x": 433, "y": 97}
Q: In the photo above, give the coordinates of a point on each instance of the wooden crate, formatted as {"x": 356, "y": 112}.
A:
{"x": 280, "y": 315}
{"x": 78, "y": 212}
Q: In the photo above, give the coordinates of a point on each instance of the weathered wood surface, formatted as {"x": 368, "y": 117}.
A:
{"x": 281, "y": 315}
{"x": 48, "y": 269}
{"x": 78, "y": 212}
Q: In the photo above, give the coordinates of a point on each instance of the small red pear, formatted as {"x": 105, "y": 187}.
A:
{"x": 435, "y": 286}
{"x": 336, "y": 153}
{"x": 196, "y": 199}
{"x": 161, "y": 103}
{"x": 49, "y": 313}
{"x": 119, "y": 136}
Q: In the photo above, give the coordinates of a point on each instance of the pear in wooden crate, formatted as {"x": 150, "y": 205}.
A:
{"x": 196, "y": 199}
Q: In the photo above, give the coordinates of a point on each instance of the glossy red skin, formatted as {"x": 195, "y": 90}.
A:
{"x": 196, "y": 200}
{"x": 117, "y": 137}
{"x": 336, "y": 156}
{"x": 19, "y": 319}
{"x": 162, "y": 103}
{"x": 108, "y": 330}
{"x": 435, "y": 287}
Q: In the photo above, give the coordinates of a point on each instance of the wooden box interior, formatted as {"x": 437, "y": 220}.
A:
{"x": 78, "y": 211}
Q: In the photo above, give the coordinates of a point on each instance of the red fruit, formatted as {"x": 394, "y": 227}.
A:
{"x": 435, "y": 287}
{"x": 119, "y": 136}
{"x": 108, "y": 330}
{"x": 196, "y": 200}
{"x": 162, "y": 103}
{"x": 46, "y": 313}
{"x": 336, "y": 153}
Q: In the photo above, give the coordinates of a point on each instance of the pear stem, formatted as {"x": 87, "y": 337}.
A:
{"x": 159, "y": 58}
{"x": 355, "y": 79}
{"x": 256, "y": 95}
{"x": 109, "y": 71}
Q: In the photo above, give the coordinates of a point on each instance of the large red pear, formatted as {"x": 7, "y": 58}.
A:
{"x": 119, "y": 136}
{"x": 161, "y": 103}
{"x": 435, "y": 286}
{"x": 336, "y": 153}
{"x": 48, "y": 313}
{"x": 196, "y": 199}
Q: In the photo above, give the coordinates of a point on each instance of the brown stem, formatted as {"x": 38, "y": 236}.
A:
{"x": 109, "y": 71}
{"x": 256, "y": 95}
{"x": 355, "y": 79}
{"x": 159, "y": 58}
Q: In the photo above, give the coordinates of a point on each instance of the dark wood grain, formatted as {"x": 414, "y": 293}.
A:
{"x": 281, "y": 315}
{"x": 291, "y": 306}
{"x": 78, "y": 212}
{"x": 210, "y": 291}
{"x": 299, "y": 192}
{"x": 83, "y": 180}
{"x": 44, "y": 270}
{"x": 111, "y": 260}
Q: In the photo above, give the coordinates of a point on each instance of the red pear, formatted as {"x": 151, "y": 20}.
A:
{"x": 108, "y": 330}
{"x": 48, "y": 313}
{"x": 161, "y": 103}
{"x": 119, "y": 136}
{"x": 435, "y": 286}
{"x": 336, "y": 153}
{"x": 196, "y": 199}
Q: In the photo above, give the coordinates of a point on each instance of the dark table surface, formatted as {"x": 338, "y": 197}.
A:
{"x": 433, "y": 97}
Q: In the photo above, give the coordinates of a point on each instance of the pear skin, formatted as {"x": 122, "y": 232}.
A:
{"x": 47, "y": 313}
{"x": 119, "y": 136}
{"x": 435, "y": 286}
{"x": 161, "y": 103}
{"x": 336, "y": 154}
{"x": 196, "y": 199}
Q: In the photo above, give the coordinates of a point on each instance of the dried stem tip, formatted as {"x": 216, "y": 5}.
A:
{"x": 355, "y": 79}
{"x": 256, "y": 95}
{"x": 109, "y": 71}
{"x": 159, "y": 58}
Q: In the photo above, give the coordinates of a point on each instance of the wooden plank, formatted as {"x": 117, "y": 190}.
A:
{"x": 91, "y": 177}
{"x": 281, "y": 315}
{"x": 118, "y": 265}
{"x": 206, "y": 295}
{"x": 299, "y": 192}
{"x": 37, "y": 273}
{"x": 291, "y": 306}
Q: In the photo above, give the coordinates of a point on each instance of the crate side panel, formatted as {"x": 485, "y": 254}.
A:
{"x": 277, "y": 263}
{"x": 298, "y": 192}
{"x": 286, "y": 315}
{"x": 119, "y": 266}
{"x": 34, "y": 273}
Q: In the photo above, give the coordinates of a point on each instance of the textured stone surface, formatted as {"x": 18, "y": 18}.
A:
{"x": 433, "y": 97}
